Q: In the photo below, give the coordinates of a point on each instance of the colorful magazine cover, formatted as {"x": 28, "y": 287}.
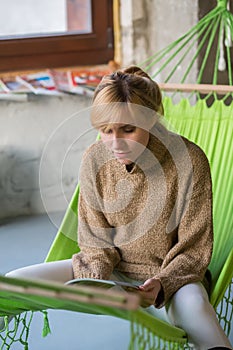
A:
{"x": 64, "y": 82}
{"x": 90, "y": 78}
{"x": 81, "y": 81}
{"x": 10, "y": 85}
{"x": 39, "y": 83}
{"x": 2, "y": 87}
{"x": 7, "y": 95}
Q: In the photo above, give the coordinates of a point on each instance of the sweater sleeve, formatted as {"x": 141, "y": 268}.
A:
{"x": 97, "y": 257}
{"x": 94, "y": 263}
{"x": 189, "y": 258}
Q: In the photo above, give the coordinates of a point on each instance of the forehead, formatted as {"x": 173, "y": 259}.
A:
{"x": 122, "y": 113}
{"x": 120, "y": 118}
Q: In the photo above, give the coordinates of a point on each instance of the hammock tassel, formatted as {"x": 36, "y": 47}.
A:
{"x": 221, "y": 60}
{"x": 228, "y": 39}
{"x": 46, "y": 327}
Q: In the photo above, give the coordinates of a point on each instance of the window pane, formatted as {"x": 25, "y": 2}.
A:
{"x": 88, "y": 42}
{"x": 26, "y": 18}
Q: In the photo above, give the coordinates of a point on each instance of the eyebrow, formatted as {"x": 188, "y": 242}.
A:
{"x": 127, "y": 125}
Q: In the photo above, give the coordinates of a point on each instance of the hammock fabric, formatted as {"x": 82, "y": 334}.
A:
{"x": 212, "y": 129}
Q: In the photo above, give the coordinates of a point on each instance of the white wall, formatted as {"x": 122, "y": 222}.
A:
{"x": 41, "y": 143}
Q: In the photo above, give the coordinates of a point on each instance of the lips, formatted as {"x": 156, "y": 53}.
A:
{"x": 121, "y": 154}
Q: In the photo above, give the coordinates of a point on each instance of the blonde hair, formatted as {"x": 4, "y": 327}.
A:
{"x": 130, "y": 86}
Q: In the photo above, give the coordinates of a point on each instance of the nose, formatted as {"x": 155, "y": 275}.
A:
{"x": 117, "y": 141}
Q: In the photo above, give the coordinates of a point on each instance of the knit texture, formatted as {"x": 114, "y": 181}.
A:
{"x": 152, "y": 221}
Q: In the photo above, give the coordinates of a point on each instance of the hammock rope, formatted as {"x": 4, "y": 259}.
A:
{"x": 218, "y": 23}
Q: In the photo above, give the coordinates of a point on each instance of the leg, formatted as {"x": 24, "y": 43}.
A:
{"x": 57, "y": 271}
{"x": 190, "y": 309}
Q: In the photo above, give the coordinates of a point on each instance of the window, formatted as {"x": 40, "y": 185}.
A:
{"x": 55, "y": 33}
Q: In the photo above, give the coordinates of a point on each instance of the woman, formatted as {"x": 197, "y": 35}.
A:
{"x": 145, "y": 209}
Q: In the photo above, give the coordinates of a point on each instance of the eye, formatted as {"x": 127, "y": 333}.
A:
{"x": 106, "y": 131}
{"x": 129, "y": 129}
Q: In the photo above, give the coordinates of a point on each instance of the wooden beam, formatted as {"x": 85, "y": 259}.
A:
{"x": 90, "y": 295}
{"x": 201, "y": 88}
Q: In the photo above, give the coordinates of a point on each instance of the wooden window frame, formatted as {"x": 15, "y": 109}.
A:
{"x": 63, "y": 50}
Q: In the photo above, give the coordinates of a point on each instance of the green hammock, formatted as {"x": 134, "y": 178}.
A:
{"x": 212, "y": 129}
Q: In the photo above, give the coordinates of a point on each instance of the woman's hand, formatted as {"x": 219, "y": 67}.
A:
{"x": 149, "y": 291}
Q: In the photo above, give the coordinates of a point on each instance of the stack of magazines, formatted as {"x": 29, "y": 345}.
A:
{"x": 54, "y": 82}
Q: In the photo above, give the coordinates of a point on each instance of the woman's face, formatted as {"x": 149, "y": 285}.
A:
{"x": 127, "y": 142}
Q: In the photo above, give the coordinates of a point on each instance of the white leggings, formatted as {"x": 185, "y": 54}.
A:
{"x": 189, "y": 308}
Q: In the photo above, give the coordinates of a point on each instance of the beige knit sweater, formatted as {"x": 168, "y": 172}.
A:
{"x": 152, "y": 221}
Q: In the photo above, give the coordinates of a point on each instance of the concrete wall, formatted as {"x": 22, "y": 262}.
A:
{"x": 41, "y": 143}
{"x": 147, "y": 26}
{"x": 28, "y": 185}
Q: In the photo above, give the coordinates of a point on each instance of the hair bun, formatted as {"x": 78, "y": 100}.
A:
{"x": 135, "y": 70}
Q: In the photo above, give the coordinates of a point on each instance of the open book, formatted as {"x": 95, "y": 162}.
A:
{"x": 93, "y": 282}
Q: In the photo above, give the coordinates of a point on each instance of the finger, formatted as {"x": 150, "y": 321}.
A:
{"x": 146, "y": 288}
{"x": 148, "y": 284}
{"x": 145, "y": 304}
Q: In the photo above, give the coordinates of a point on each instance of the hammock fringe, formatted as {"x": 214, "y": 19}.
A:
{"x": 46, "y": 327}
{"x": 16, "y": 330}
{"x": 143, "y": 338}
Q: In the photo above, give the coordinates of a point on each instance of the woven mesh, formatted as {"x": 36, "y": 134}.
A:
{"x": 17, "y": 331}
{"x": 225, "y": 310}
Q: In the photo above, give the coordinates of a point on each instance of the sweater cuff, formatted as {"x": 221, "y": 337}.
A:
{"x": 159, "y": 301}
{"x": 89, "y": 275}
{"x": 83, "y": 269}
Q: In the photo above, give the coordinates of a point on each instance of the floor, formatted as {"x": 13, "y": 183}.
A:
{"x": 26, "y": 241}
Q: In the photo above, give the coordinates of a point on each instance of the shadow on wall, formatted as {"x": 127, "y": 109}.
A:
{"x": 18, "y": 182}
